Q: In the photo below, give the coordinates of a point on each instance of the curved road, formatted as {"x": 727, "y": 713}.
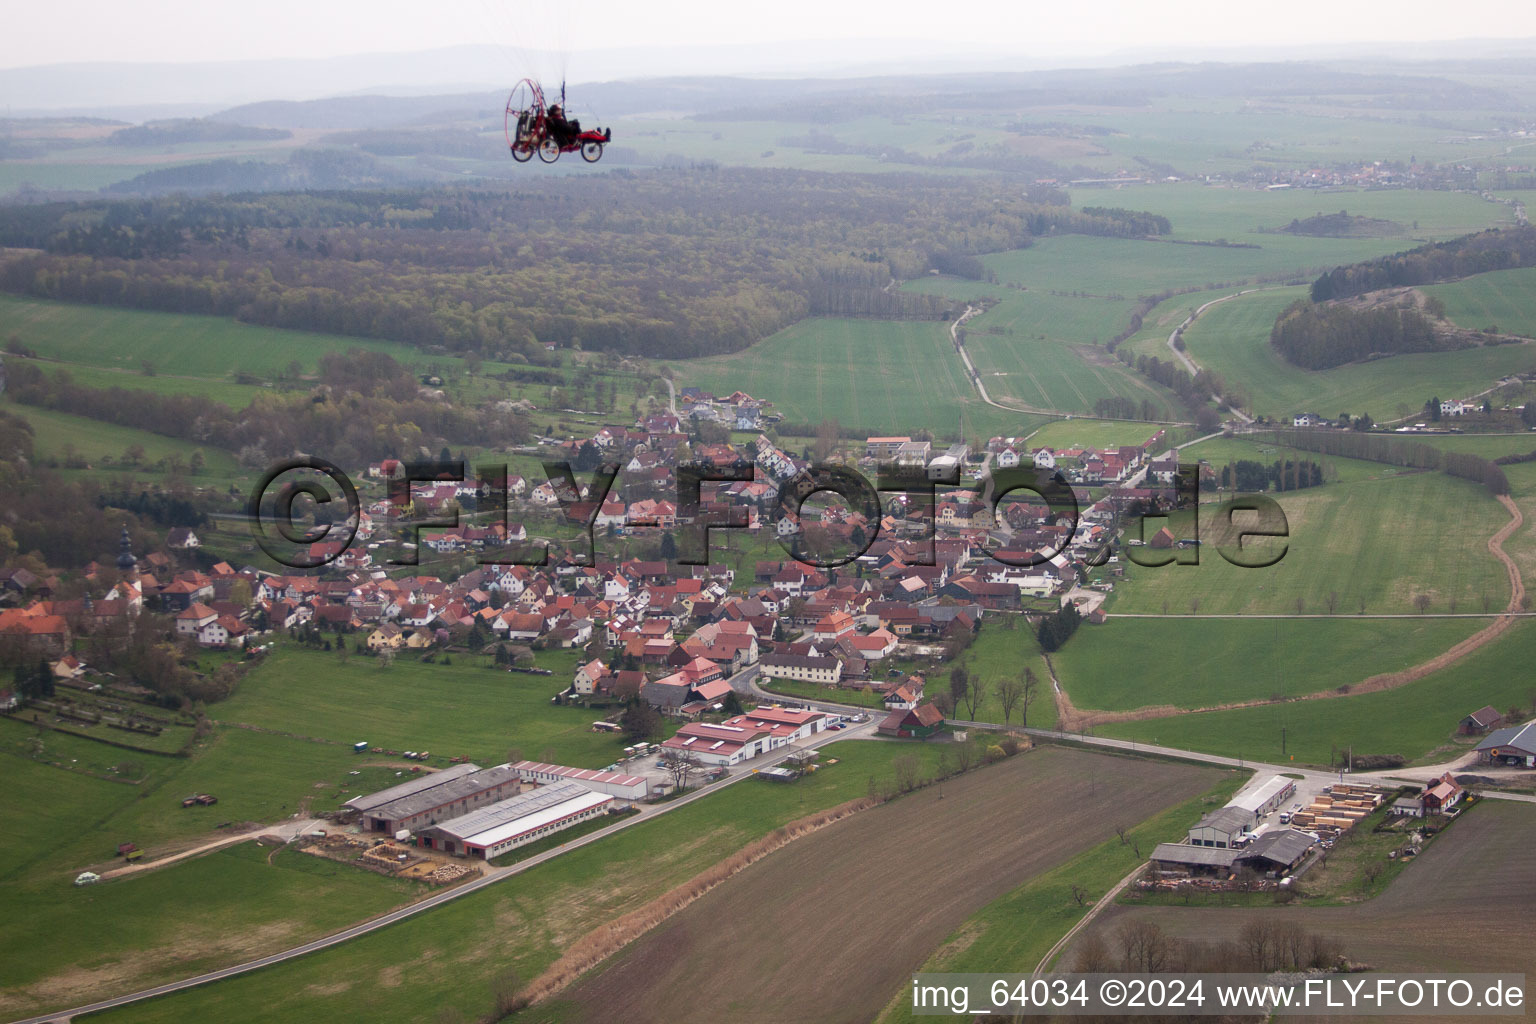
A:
{"x": 1183, "y": 357}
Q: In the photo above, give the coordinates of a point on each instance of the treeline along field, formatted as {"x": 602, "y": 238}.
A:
{"x": 657, "y": 264}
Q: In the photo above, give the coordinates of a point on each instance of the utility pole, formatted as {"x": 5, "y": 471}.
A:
{"x": 1282, "y": 741}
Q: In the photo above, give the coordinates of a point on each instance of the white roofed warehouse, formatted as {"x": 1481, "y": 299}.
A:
{"x": 494, "y": 830}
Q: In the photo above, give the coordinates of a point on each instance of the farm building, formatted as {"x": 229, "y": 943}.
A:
{"x": 421, "y": 805}
{"x": 1480, "y": 721}
{"x": 745, "y": 736}
{"x": 1514, "y": 746}
{"x": 722, "y": 744}
{"x": 1197, "y": 860}
{"x": 507, "y": 824}
{"x": 1269, "y": 795}
{"x": 1279, "y": 851}
{"x": 915, "y": 723}
{"x": 410, "y": 787}
{"x": 620, "y": 787}
{"x": 1222, "y": 829}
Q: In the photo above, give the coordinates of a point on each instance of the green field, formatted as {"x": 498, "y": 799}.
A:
{"x": 1079, "y": 433}
{"x": 1219, "y": 451}
{"x": 1232, "y": 340}
{"x": 1203, "y": 662}
{"x": 178, "y": 345}
{"x": 1382, "y": 542}
{"x": 61, "y": 436}
{"x": 462, "y": 708}
{"x": 870, "y": 375}
{"x": 1505, "y": 299}
{"x": 165, "y": 924}
{"x": 451, "y": 955}
{"x": 1417, "y": 720}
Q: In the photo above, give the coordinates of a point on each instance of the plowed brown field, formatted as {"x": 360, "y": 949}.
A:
{"x": 827, "y": 928}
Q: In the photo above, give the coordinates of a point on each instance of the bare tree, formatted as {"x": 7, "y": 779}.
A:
{"x": 965, "y": 756}
{"x": 1332, "y": 601}
{"x": 1031, "y": 691}
{"x": 905, "y": 769}
{"x": 1194, "y": 605}
{"x": 1143, "y": 947}
{"x": 975, "y": 695}
{"x": 1257, "y": 940}
{"x": 680, "y": 767}
{"x": 1010, "y": 690}
{"x": 1079, "y": 895}
{"x": 1421, "y": 602}
{"x": 507, "y": 991}
{"x": 1093, "y": 956}
{"x": 1301, "y": 605}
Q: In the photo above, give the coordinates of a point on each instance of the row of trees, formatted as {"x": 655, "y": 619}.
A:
{"x": 1263, "y": 945}
{"x": 1289, "y": 475}
{"x": 1495, "y": 249}
{"x": 1397, "y": 452}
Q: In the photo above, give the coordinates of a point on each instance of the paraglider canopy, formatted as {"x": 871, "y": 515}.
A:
{"x": 532, "y": 126}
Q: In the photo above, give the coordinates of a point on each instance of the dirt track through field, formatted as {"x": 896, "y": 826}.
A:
{"x": 829, "y": 927}
{"x": 1073, "y": 719}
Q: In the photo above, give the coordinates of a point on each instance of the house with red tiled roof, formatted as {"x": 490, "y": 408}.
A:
{"x": 920, "y": 722}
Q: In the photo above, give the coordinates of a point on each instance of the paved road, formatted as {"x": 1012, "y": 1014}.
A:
{"x": 1183, "y": 357}
{"x": 491, "y": 877}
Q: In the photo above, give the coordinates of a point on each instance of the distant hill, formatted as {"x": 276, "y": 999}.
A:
{"x": 305, "y": 169}
{"x": 190, "y": 129}
{"x": 1342, "y": 225}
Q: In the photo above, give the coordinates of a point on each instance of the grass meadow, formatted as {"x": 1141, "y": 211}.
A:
{"x": 461, "y": 708}
{"x": 178, "y": 345}
{"x": 1505, "y": 299}
{"x": 1232, "y": 340}
{"x": 871, "y": 375}
{"x": 1202, "y": 662}
{"x": 1417, "y": 721}
{"x": 1374, "y": 545}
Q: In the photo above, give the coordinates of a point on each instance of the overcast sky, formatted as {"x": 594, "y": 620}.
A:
{"x": 56, "y": 31}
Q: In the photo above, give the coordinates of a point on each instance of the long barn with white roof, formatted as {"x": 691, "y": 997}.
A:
{"x": 493, "y": 830}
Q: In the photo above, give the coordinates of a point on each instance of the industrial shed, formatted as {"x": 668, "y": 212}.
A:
{"x": 1514, "y": 746}
{"x": 505, "y": 825}
{"x": 615, "y": 784}
{"x": 1279, "y": 850}
{"x": 1197, "y": 860}
{"x": 1222, "y": 829}
{"x": 411, "y": 787}
{"x": 1269, "y": 795}
{"x": 416, "y": 809}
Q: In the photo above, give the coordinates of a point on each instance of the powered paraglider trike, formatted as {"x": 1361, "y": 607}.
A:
{"x": 536, "y": 127}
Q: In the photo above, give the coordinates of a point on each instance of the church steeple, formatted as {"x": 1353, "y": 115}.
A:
{"x": 126, "y": 563}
